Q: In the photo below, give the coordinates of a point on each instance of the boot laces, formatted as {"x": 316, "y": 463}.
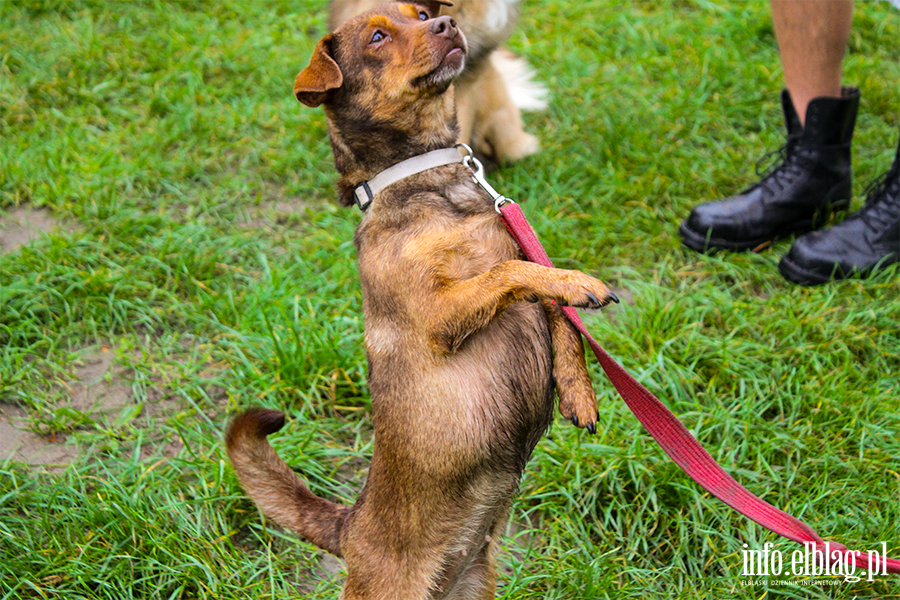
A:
{"x": 883, "y": 199}
{"x": 782, "y": 170}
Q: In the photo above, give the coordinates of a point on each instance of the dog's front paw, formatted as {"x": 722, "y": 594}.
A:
{"x": 517, "y": 148}
{"x": 583, "y": 291}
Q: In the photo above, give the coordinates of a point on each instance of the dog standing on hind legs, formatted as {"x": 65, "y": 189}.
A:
{"x": 463, "y": 339}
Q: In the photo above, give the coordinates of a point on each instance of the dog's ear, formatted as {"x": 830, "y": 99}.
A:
{"x": 433, "y": 6}
{"x": 323, "y": 75}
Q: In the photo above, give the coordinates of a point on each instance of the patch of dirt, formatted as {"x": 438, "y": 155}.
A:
{"x": 24, "y": 224}
{"x": 102, "y": 391}
{"x": 99, "y": 391}
{"x": 101, "y": 387}
{"x": 20, "y": 444}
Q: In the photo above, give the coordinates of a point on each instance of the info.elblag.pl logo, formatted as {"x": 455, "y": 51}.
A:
{"x": 813, "y": 562}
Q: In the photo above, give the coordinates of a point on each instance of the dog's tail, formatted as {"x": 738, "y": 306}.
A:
{"x": 517, "y": 74}
{"x": 274, "y": 487}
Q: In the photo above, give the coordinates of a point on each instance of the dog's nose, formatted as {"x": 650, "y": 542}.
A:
{"x": 444, "y": 26}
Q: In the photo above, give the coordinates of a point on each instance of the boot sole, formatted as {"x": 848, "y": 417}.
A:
{"x": 797, "y": 274}
{"x": 705, "y": 244}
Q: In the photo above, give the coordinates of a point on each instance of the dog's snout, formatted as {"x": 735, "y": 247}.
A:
{"x": 445, "y": 26}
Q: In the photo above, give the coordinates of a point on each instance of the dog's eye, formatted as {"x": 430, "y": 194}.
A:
{"x": 423, "y": 16}
{"x": 377, "y": 37}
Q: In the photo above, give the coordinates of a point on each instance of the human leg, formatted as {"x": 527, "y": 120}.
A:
{"x": 812, "y": 36}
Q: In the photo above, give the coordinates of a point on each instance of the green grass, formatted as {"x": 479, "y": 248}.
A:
{"x": 165, "y": 137}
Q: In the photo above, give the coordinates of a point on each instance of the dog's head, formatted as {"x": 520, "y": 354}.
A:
{"x": 382, "y": 78}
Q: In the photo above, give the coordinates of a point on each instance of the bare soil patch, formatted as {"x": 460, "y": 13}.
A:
{"x": 102, "y": 393}
{"x": 20, "y": 444}
{"x": 100, "y": 390}
{"x": 24, "y": 224}
{"x": 101, "y": 387}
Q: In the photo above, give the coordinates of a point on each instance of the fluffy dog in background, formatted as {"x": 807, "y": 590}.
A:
{"x": 495, "y": 86}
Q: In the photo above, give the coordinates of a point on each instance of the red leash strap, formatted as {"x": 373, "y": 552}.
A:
{"x": 677, "y": 441}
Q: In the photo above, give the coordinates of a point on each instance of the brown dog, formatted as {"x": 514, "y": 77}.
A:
{"x": 461, "y": 366}
{"x": 495, "y": 84}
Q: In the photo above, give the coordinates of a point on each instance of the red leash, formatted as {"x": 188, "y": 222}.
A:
{"x": 677, "y": 441}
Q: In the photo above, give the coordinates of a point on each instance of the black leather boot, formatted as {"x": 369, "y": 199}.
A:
{"x": 865, "y": 242}
{"x": 797, "y": 195}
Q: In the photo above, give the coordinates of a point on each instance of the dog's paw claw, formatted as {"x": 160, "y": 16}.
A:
{"x": 587, "y": 420}
{"x": 584, "y": 291}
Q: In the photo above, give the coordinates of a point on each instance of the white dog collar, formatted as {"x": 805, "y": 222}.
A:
{"x": 365, "y": 192}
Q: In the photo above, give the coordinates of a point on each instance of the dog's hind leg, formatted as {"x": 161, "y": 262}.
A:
{"x": 378, "y": 577}
{"x": 479, "y": 582}
{"x": 577, "y": 401}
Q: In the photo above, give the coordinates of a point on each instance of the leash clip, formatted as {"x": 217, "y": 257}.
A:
{"x": 478, "y": 177}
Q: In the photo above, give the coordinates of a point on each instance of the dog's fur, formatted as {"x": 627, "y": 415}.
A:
{"x": 461, "y": 365}
{"x": 495, "y": 85}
